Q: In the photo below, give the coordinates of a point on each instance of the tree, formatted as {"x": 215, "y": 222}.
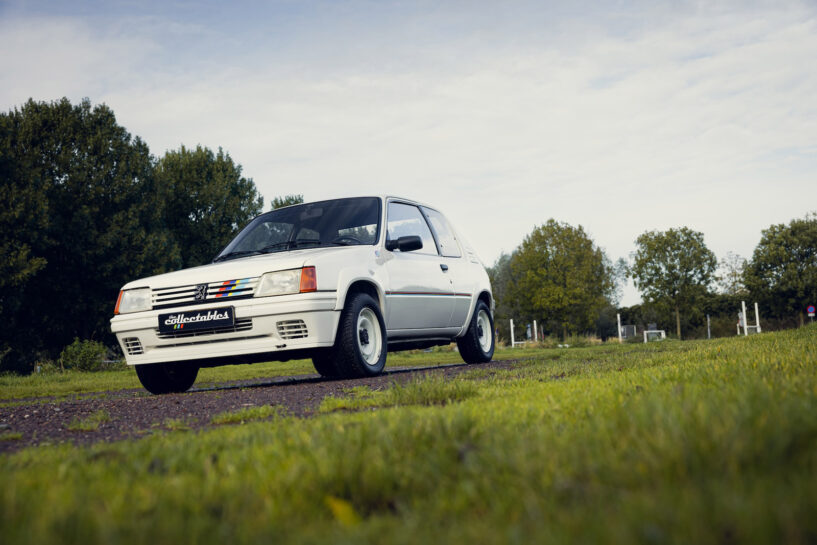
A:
{"x": 286, "y": 200}
{"x": 80, "y": 216}
{"x": 673, "y": 267}
{"x": 560, "y": 275}
{"x": 205, "y": 201}
{"x": 783, "y": 270}
{"x": 731, "y": 272}
{"x": 500, "y": 277}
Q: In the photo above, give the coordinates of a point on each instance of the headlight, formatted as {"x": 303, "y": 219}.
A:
{"x": 133, "y": 301}
{"x": 287, "y": 282}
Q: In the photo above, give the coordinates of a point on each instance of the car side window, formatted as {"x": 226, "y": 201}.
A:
{"x": 406, "y": 220}
{"x": 445, "y": 236}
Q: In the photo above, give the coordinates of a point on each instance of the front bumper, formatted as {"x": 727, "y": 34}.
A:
{"x": 272, "y": 326}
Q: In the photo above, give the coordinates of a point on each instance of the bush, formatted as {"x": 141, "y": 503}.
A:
{"x": 83, "y": 355}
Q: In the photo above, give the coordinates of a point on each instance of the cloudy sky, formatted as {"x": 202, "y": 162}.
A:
{"x": 620, "y": 117}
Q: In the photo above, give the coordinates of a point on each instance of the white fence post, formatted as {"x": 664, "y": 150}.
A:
{"x": 757, "y": 318}
{"x": 745, "y": 319}
{"x": 512, "y": 343}
{"x": 618, "y": 319}
{"x": 535, "y": 334}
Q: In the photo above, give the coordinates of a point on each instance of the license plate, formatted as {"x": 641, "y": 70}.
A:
{"x": 196, "y": 319}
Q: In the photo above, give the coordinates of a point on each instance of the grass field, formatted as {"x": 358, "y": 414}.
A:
{"x": 15, "y": 387}
{"x": 673, "y": 442}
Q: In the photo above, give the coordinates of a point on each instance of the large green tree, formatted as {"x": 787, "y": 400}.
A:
{"x": 205, "y": 199}
{"x": 673, "y": 268}
{"x": 783, "y": 270}
{"x": 80, "y": 215}
{"x": 560, "y": 275}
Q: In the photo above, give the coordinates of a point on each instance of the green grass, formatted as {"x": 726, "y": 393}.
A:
{"x": 248, "y": 414}
{"x": 89, "y": 423}
{"x": 11, "y": 436}
{"x": 63, "y": 385}
{"x": 175, "y": 424}
{"x": 683, "y": 442}
{"x": 433, "y": 390}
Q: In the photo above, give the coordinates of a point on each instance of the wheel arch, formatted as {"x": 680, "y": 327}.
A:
{"x": 362, "y": 285}
{"x": 485, "y": 297}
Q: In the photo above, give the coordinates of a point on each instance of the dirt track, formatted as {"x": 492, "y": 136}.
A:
{"x": 134, "y": 413}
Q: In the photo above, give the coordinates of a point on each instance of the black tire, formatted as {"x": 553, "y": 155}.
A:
{"x": 349, "y": 354}
{"x": 324, "y": 363}
{"x": 473, "y": 345}
{"x": 167, "y": 378}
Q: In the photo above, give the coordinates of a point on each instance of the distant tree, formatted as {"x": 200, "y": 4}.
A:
{"x": 783, "y": 270}
{"x": 80, "y": 215}
{"x": 500, "y": 276}
{"x": 730, "y": 279}
{"x": 560, "y": 275}
{"x": 673, "y": 268}
{"x": 205, "y": 201}
{"x": 286, "y": 200}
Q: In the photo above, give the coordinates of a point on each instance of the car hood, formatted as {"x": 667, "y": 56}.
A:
{"x": 247, "y": 267}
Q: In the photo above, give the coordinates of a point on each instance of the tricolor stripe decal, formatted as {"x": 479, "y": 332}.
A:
{"x": 230, "y": 287}
{"x": 428, "y": 293}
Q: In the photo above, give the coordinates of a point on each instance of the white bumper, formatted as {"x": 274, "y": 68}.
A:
{"x": 264, "y": 325}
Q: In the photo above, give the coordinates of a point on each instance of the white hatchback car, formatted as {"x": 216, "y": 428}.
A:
{"x": 341, "y": 281}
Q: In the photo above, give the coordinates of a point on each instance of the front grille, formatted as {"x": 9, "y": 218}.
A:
{"x": 241, "y": 288}
{"x": 241, "y": 324}
{"x": 292, "y": 329}
{"x": 133, "y": 346}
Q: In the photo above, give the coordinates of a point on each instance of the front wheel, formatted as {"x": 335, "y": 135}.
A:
{"x": 167, "y": 378}
{"x": 477, "y": 345}
{"x": 360, "y": 347}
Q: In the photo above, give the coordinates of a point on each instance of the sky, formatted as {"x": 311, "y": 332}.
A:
{"x": 622, "y": 117}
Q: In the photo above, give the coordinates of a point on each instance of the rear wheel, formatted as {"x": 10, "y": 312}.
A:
{"x": 360, "y": 346}
{"x": 167, "y": 378}
{"x": 477, "y": 345}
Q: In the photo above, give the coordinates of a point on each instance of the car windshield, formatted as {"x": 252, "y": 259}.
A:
{"x": 341, "y": 222}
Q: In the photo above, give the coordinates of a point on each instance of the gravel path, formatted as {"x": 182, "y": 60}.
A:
{"x": 134, "y": 413}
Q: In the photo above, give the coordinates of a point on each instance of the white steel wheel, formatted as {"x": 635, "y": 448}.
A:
{"x": 369, "y": 336}
{"x": 477, "y": 345}
{"x": 484, "y": 331}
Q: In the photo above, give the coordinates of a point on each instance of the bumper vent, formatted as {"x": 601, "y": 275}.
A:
{"x": 292, "y": 329}
{"x": 242, "y": 324}
{"x": 133, "y": 346}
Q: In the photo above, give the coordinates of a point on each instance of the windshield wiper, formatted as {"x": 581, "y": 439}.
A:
{"x": 289, "y": 244}
{"x": 286, "y": 245}
{"x": 233, "y": 255}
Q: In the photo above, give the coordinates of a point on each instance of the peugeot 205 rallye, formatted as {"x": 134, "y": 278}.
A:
{"x": 341, "y": 281}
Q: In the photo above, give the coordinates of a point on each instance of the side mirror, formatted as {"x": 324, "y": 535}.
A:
{"x": 405, "y": 244}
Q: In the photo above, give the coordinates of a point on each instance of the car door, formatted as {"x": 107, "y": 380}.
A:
{"x": 420, "y": 294}
{"x": 458, "y": 268}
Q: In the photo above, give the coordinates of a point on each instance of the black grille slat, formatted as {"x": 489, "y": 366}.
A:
{"x": 176, "y": 296}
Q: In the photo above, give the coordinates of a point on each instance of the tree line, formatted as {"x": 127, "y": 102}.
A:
{"x": 85, "y": 207}
{"x": 559, "y": 277}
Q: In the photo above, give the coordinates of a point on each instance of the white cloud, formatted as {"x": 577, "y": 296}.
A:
{"x": 698, "y": 118}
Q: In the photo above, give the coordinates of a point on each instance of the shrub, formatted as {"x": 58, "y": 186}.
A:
{"x": 83, "y": 355}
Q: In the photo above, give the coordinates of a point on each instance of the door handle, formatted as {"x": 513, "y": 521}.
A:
{"x": 444, "y": 267}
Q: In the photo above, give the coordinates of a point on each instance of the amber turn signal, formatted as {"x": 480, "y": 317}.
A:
{"x": 309, "y": 281}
